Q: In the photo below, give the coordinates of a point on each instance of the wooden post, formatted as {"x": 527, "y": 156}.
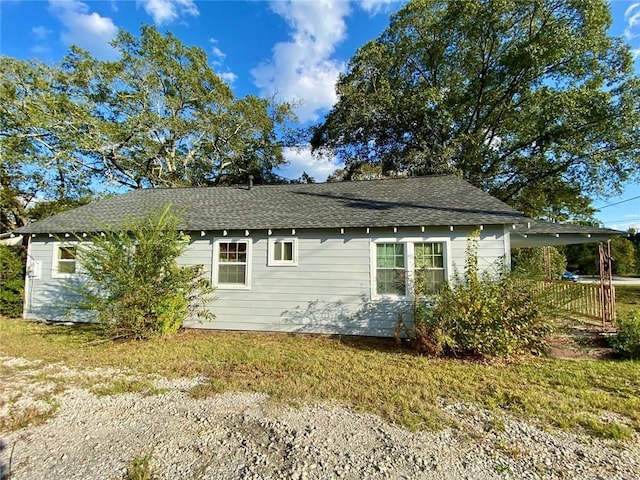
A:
{"x": 607, "y": 292}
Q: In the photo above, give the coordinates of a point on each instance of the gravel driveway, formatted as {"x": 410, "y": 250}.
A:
{"x": 249, "y": 436}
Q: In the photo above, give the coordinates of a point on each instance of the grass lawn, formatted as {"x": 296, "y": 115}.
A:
{"x": 627, "y": 299}
{"x": 368, "y": 375}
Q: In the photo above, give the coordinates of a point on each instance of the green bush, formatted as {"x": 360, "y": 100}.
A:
{"x": 627, "y": 341}
{"x": 134, "y": 283}
{"x": 486, "y": 315}
{"x": 11, "y": 281}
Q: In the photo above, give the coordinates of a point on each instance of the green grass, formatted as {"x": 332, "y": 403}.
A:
{"x": 627, "y": 299}
{"x": 367, "y": 375}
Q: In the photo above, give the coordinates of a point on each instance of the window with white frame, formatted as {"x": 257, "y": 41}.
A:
{"x": 404, "y": 267}
{"x": 232, "y": 259}
{"x": 428, "y": 267}
{"x": 283, "y": 252}
{"x": 390, "y": 272}
{"x": 64, "y": 260}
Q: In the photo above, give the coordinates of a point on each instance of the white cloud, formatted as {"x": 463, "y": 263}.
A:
{"x": 632, "y": 17}
{"x": 302, "y": 160}
{"x": 374, "y": 7}
{"x": 218, "y": 54}
{"x": 167, "y": 11}
{"x": 302, "y": 70}
{"x": 228, "y": 76}
{"x": 87, "y": 30}
{"x": 40, "y": 32}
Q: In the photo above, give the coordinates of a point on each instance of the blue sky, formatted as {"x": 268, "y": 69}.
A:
{"x": 295, "y": 49}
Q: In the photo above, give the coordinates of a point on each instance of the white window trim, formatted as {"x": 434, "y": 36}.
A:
{"x": 409, "y": 262}
{"x": 272, "y": 262}
{"x": 54, "y": 260}
{"x": 215, "y": 264}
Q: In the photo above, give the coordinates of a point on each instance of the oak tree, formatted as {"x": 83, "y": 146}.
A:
{"x": 532, "y": 101}
{"x": 158, "y": 116}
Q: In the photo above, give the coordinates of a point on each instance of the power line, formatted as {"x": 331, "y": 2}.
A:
{"x": 618, "y": 203}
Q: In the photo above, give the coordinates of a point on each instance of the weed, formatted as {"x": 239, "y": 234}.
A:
{"x": 17, "y": 418}
{"x": 117, "y": 387}
{"x": 139, "y": 468}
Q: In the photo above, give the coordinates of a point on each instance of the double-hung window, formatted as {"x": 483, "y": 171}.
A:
{"x": 408, "y": 267}
{"x": 232, "y": 259}
{"x": 428, "y": 267}
{"x": 390, "y": 272}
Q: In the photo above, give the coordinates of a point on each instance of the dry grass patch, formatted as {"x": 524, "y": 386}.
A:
{"x": 602, "y": 397}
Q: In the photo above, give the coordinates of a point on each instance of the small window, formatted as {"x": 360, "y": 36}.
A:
{"x": 232, "y": 260}
{"x": 283, "y": 252}
{"x": 64, "y": 260}
{"x": 390, "y": 276}
{"x": 428, "y": 267}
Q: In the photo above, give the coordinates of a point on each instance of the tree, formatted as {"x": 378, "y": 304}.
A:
{"x": 531, "y": 101}
{"x": 623, "y": 254}
{"x": 159, "y": 116}
{"x": 133, "y": 282}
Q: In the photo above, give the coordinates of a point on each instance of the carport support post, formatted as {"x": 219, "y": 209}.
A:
{"x": 607, "y": 292}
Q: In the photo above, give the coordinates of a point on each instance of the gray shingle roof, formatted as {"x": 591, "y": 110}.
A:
{"x": 420, "y": 201}
{"x": 545, "y": 228}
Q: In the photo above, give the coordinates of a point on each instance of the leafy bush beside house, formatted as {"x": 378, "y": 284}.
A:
{"x": 493, "y": 314}
{"x": 11, "y": 281}
{"x": 134, "y": 283}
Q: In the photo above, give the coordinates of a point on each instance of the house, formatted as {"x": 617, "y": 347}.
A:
{"x": 325, "y": 258}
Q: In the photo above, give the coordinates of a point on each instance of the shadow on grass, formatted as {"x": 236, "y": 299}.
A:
{"x": 78, "y": 332}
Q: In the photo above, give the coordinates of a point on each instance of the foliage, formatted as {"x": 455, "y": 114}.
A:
{"x": 159, "y": 116}
{"x": 139, "y": 468}
{"x": 531, "y": 101}
{"x": 623, "y": 253}
{"x": 134, "y": 283}
{"x": 627, "y": 341}
{"x": 488, "y": 314}
{"x": 538, "y": 262}
{"x": 11, "y": 281}
{"x": 585, "y": 259}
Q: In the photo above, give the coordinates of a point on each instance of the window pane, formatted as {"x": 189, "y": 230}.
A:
{"x": 231, "y": 274}
{"x": 67, "y": 266}
{"x": 233, "y": 252}
{"x": 67, "y": 253}
{"x": 390, "y": 281}
{"x": 288, "y": 251}
{"x": 277, "y": 251}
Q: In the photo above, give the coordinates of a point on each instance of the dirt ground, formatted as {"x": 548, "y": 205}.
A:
{"x": 581, "y": 339}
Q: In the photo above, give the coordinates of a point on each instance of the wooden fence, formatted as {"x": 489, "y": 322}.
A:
{"x": 585, "y": 299}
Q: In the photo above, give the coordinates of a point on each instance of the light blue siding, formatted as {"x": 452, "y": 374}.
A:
{"x": 328, "y": 291}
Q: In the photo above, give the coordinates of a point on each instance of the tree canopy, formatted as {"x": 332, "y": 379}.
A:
{"x": 159, "y": 116}
{"x": 532, "y": 101}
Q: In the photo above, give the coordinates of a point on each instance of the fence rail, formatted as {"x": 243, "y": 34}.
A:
{"x": 585, "y": 299}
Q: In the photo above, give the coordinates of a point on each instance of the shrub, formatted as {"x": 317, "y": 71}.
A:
{"x": 134, "y": 283}
{"x": 489, "y": 314}
{"x": 11, "y": 281}
{"x": 627, "y": 341}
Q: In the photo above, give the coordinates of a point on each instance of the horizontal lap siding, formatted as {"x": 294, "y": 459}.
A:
{"x": 50, "y": 298}
{"x": 323, "y": 293}
{"x": 328, "y": 291}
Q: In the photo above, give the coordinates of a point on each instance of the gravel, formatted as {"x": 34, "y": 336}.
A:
{"x": 249, "y": 436}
